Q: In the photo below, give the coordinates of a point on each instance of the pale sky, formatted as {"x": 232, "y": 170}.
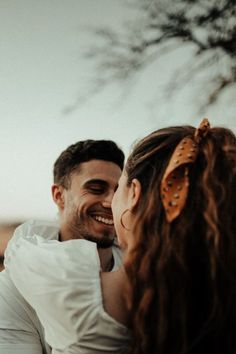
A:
{"x": 41, "y": 72}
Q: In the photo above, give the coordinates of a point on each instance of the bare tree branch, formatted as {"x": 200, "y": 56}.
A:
{"x": 208, "y": 26}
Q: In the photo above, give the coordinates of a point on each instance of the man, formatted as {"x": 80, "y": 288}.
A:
{"x": 85, "y": 179}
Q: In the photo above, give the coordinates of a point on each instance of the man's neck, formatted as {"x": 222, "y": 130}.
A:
{"x": 106, "y": 259}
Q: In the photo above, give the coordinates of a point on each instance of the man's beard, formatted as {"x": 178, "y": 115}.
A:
{"x": 101, "y": 243}
{"x": 80, "y": 232}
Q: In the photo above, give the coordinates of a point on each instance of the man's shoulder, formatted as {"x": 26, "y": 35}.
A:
{"x": 20, "y": 329}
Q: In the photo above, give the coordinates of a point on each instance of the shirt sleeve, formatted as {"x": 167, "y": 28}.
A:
{"x": 61, "y": 281}
{"x": 45, "y": 228}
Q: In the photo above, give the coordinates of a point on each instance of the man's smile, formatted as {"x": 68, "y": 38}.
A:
{"x": 101, "y": 216}
{"x": 107, "y": 221}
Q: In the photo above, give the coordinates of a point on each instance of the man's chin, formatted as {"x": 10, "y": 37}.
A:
{"x": 102, "y": 242}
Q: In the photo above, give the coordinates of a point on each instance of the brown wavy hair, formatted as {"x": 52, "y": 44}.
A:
{"x": 182, "y": 276}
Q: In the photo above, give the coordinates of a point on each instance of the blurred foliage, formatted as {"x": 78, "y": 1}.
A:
{"x": 161, "y": 26}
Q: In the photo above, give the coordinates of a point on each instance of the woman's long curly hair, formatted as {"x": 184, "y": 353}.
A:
{"x": 182, "y": 276}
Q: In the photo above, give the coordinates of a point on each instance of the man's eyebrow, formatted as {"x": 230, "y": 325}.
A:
{"x": 94, "y": 181}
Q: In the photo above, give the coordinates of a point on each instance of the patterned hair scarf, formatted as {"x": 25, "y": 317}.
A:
{"x": 175, "y": 182}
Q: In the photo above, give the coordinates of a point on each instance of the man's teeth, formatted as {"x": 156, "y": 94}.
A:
{"x": 104, "y": 220}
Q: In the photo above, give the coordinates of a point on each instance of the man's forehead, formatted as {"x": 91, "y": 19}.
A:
{"x": 98, "y": 169}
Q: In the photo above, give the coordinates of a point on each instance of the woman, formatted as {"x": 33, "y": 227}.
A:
{"x": 174, "y": 213}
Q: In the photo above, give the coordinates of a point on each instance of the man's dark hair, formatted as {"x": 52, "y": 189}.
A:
{"x": 84, "y": 151}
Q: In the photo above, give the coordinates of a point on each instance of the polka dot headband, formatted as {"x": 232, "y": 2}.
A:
{"x": 175, "y": 182}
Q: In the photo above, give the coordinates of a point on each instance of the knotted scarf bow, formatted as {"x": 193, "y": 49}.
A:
{"x": 175, "y": 182}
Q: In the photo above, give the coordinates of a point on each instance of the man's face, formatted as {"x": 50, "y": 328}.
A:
{"x": 86, "y": 210}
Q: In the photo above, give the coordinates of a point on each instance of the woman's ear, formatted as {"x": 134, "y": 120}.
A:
{"x": 134, "y": 194}
{"x": 58, "y": 195}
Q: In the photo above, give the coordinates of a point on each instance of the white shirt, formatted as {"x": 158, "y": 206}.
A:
{"x": 62, "y": 283}
{"x": 40, "y": 277}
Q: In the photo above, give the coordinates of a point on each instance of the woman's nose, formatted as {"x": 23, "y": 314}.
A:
{"x": 106, "y": 203}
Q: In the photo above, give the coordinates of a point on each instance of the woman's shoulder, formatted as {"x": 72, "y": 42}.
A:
{"x": 69, "y": 259}
{"x": 48, "y": 229}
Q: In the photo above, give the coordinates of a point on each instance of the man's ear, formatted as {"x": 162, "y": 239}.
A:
{"x": 58, "y": 195}
{"x": 134, "y": 194}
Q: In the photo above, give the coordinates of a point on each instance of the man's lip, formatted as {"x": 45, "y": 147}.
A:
{"x": 103, "y": 214}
